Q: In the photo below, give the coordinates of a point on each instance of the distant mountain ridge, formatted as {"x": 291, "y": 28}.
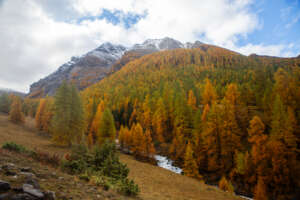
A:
{"x": 10, "y": 91}
{"x": 93, "y": 66}
{"x": 108, "y": 58}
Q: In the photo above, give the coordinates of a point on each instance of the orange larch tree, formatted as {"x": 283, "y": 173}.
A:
{"x": 16, "y": 115}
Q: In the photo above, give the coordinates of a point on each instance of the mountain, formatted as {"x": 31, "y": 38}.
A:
{"x": 83, "y": 71}
{"x": 93, "y": 66}
{"x": 10, "y": 91}
{"x": 210, "y": 98}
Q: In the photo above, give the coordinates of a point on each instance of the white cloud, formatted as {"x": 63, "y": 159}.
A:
{"x": 37, "y": 36}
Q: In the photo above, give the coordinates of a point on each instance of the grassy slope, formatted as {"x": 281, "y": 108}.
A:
{"x": 155, "y": 183}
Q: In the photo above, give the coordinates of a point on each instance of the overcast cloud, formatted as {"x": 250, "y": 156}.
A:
{"x": 37, "y": 36}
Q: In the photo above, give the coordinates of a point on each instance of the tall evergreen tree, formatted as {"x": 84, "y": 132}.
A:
{"x": 230, "y": 135}
{"x": 39, "y": 114}
{"x": 107, "y": 129}
{"x": 16, "y": 115}
{"x": 5, "y": 103}
{"x": 190, "y": 167}
{"x": 68, "y": 118}
{"x": 209, "y": 94}
{"x": 278, "y": 119}
{"x": 159, "y": 121}
{"x": 211, "y": 137}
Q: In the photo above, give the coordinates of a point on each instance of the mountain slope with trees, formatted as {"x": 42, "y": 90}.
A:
{"x": 221, "y": 111}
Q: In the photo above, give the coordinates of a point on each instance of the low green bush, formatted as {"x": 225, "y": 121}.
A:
{"x": 11, "y": 146}
{"x": 102, "y": 166}
{"x": 128, "y": 187}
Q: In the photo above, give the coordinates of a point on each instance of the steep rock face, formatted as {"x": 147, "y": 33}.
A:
{"x": 89, "y": 68}
{"x": 82, "y": 71}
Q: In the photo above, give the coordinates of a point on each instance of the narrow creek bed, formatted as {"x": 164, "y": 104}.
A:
{"x": 165, "y": 163}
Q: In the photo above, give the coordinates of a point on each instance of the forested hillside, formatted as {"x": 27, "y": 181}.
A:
{"x": 226, "y": 119}
{"x": 216, "y": 112}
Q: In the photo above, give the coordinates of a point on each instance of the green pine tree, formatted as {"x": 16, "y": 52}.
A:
{"x": 68, "y": 120}
{"x": 278, "y": 119}
{"x": 5, "y": 103}
{"x": 107, "y": 129}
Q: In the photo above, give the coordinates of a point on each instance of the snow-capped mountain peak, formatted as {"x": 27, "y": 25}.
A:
{"x": 108, "y": 51}
{"x": 96, "y": 64}
{"x": 159, "y": 44}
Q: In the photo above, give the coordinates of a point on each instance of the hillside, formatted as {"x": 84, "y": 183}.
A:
{"x": 208, "y": 100}
{"x": 155, "y": 182}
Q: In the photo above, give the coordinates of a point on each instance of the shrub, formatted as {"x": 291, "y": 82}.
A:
{"x": 128, "y": 187}
{"x": 78, "y": 161}
{"x": 11, "y": 146}
{"x": 113, "y": 168}
{"x": 51, "y": 159}
{"x": 85, "y": 176}
{"x": 226, "y": 185}
{"x": 101, "y": 166}
{"x": 100, "y": 154}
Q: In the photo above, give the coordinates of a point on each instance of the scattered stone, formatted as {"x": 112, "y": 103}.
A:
{"x": 8, "y": 166}
{"x": 4, "y": 186}
{"x": 29, "y": 189}
{"x": 4, "y": 196}
{"x": 23, "y": 197}
{"x": 8, "y": 172}
{"x": 50, "y": 195}
{"x": 61, "y": 178}
{"x": 26, "y": 169}
{"x": 33, "y": 182}
{"x": 17, "y": 189}
{"x": 28, "y": 174}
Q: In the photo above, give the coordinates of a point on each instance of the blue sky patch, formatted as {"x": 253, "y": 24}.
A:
{"x": 116, "y": 17}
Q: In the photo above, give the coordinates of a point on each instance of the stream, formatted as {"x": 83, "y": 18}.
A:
{"x": 165, "y": 163}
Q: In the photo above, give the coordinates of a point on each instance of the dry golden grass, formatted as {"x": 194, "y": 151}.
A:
{"x": 155, "y": 183}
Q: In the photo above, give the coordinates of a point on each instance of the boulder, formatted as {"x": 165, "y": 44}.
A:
{"x": 50, "y": 195}
{"x": 29, "y": 189}
{"x": 25, "y": 169}
{"x": 33, "y": 182}
{"x": 4, "y": 186}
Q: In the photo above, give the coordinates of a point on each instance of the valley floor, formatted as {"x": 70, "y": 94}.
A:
{"x": 155, "y": 183}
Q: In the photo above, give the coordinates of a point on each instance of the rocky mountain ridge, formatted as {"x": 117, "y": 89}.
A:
{"x": 93, "y": 66}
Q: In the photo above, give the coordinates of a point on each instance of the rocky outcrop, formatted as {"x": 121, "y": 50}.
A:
{"x": 95, "y": 65}
{"x": 82, "y": 71}
{"x": 29, "y": 190}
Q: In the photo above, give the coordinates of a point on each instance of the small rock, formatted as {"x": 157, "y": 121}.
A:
{"x": 8, "y": 172}
{"x": 17, "y": 189}
{"x": 4, "y": 196}
{"x": 29, "y": 189}
{"x": 23, "y": 197}
{"x": 8, "y": 166}
{"x": 61, "y": 178}
{"x": 25, "y": 169}
{"x": 50, "y": 195}
{"x": 4, "y": 186}
{"x": 33, "y": 182}
{"x": 28, "y": 174}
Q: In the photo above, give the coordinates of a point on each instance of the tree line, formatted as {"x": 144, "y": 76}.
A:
{"x": 224, "y": 118}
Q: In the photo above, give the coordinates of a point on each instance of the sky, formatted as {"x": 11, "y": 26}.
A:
{"x": 37, "y": 36}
